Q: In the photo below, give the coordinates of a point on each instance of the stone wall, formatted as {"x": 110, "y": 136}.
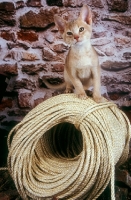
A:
{"x": 32, "y": 49}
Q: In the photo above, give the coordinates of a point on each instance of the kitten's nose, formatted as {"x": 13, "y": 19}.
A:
{"x": 76, "y": 37}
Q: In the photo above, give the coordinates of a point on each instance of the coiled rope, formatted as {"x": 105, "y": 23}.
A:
{"x": 67, "y": 148}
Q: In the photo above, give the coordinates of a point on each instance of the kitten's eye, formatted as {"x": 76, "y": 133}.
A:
{"x": 81, "y": 29}
{"x": 69, "y": 33}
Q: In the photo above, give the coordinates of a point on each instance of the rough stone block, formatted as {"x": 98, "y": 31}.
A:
{"x": 60, "y": 47}
{"x": 117, "y": 82}
{"x": 122, "y": 40}
{"x": 32, "y": 69}
{"x": 48, "y": 54}
{"x": 25, "y": 83}
{"x": 7, "y": 19}
{"x": 24, "y": 99}
{"x": 127, "y": 55}
{"x": 23, "y": 55}
{"x": 19, "y": 4}
{"x": 99, "y": 34}
{"x": 30, "y": 56}
{"x": 7, "y": 11}
{"x": 38, "y": 101}
{"x": 114, "y": 96}
{"x": 57, "y": 67}
{"x": 114, "y": 88}
{"x": 110, "y": 51}
{"x": 37, "y": 45}
{"x": 49, "y": 37}
{"x": 100, "y": 41}
{"x": 76, "y": 3}
{"x": 27, "y": 36}
{"x": 7, "y": 35}
{"x": 6, "y": 103}
{"x": 44, "y": 18}
{"x": 7, "y": 7}
{"x": 72, "y": 3}
{"x": 97, "y": 3}
{"x": 128, "y": 33}
{"x": 34, "y": 3}
{"x": 99, "y": 52}
{"x": 115, "y": 65}
{"x": 117, "y": 5}
{"x": 8, "y": 69}
{"x": 54, "y": 80}
{"x": 124, "y": 19}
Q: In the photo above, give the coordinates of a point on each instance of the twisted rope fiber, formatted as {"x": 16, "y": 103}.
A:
{"x": 96, "y": 138}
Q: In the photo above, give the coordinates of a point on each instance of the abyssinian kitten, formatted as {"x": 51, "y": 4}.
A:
{"x": 82, "y": 68}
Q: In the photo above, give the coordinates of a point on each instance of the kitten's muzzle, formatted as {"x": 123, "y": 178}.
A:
{"x": 76, "y": 37}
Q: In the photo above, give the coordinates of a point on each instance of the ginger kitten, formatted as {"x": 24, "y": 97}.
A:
{"x": 82, "y": 68}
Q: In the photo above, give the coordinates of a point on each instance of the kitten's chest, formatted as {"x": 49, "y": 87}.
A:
{"x": 80, "y": 58}
{"x": 83, "y": 73}
{"x": 83, "y": 62}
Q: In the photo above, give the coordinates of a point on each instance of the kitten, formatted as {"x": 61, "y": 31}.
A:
{"x": 82, "y": 68}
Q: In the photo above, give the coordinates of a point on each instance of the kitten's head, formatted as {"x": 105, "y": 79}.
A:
{"x": 76, "y": 31}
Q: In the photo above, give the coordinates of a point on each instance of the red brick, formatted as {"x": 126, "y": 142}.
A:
{"x": 34, "y": 3}
{"x": 38, "y": 101}
{"x": 114, "y": 96}
{"x": 57, "y": 67}
{"x": 7, "y": 6}
{"x": 123, "y": 18}
{"x": 60, "y": 48}
{"x": 8, "y": 35}
{"x": 6, "y": 103}
{"x": 8, "y": 69}
{"x": 24, "y": 100}
{"x": 27, "y": 35}
{"x": 118, "y": 5}
{"x": 33, "y": 68}
{"x": 38, "y": 20}
{"x": 20, "y": 4}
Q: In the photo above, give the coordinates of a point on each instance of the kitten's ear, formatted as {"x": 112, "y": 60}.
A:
{"x": 86, "y": 15}
{"x": 60, "y": 23}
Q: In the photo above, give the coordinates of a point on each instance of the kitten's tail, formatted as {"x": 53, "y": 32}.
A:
{"x": 60, "y": 86}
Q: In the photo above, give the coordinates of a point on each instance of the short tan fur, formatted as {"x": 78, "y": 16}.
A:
{"x": 82, "y": 69}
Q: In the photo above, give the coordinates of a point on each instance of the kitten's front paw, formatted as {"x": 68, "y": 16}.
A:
{"x": 99, "y": 99}
{"x": 82, "y": 96}
{"x": 68, "y": 90}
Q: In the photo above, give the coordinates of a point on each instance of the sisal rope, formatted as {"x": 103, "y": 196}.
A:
{"x": 68, "y": 148}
